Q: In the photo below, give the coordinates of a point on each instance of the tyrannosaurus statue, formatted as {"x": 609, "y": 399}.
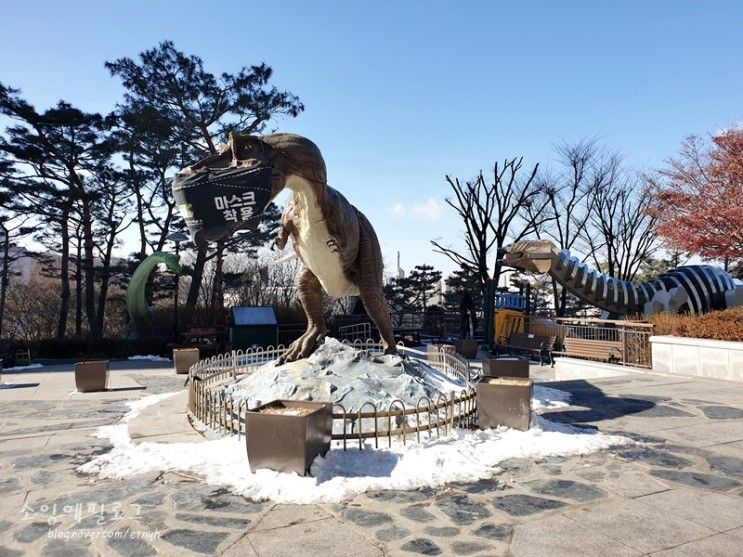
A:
{"x": 691, "y": 288}
{"x": 136, "y": 302}
{"x": 332, "y": 238}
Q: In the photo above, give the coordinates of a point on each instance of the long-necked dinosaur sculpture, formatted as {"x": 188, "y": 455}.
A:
{"x": 692, "y": 288}
{"x": 136, "y": 301}
{"x": 334, "y": 240}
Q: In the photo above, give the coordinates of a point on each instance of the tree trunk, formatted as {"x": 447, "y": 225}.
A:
{"x": 105, "y": 277}
{"x": 78, "y": 290}
{"x": 196, "y": 277}
{"x": 218, "y": 286}
{"x": 64, "y": 269}
{"x": 89, "y": 261}
{"x": 563, "y": 302}
{"x": 560, "y": 298}
{"x": 97, "y": 331}
{"x": 136, "y": 188}
{"x": 4, "y": 280}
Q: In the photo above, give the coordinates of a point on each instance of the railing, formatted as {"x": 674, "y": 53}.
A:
{"x": 634, "y": 336}
{"x": 357, "y": 331}
{"x": 510, "y": 301}
{"x": 435, "y": 326}
{"x": 227, "y": 414}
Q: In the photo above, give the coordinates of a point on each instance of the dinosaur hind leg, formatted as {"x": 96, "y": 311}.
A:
{"x": 371, "y": 291}
{"x": 310, "y": 295}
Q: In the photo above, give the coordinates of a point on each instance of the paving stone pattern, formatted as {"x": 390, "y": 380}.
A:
{"x": 666, "y": 492}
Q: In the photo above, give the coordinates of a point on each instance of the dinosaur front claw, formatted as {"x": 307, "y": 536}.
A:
{"x": 303, "y": 347}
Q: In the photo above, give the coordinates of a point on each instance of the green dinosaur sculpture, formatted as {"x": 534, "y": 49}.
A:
{"x": 136, "y": 303}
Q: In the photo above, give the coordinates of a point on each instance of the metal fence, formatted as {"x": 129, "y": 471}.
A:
{"x": 633, "y": 336}
{"x": 357, "y": 331}
{"x": 398, "y": 420}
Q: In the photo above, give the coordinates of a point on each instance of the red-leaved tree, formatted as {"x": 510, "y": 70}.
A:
{"x": 699, "y": 198}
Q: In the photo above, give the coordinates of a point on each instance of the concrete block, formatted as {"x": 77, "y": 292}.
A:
{"x": 91, "y": 376}
{"x": 287, "y": 435}
{"x": 504, "y": 401}
{"x": 505, "y": 367}
{"x": 184, "y": 358}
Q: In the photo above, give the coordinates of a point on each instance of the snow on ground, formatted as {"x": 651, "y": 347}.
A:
{"x": 21, "y": 368}
{"x": 340, "y": 475}
{"x": 149, "y": 357}
{"x": 546, "y": 397}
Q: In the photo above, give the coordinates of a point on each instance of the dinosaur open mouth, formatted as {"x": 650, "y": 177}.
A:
{"x": 215, "y": 202}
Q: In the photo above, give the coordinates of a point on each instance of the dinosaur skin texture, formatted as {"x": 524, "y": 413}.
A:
{"x": 136, "y": 303}
{"x": 332, "y": 238}
{"x": 691, "y": 288}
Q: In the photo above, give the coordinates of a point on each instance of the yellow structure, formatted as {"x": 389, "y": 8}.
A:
{"x": 507, "y": 321}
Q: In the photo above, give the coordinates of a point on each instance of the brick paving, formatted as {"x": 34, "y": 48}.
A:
{"x": 679, "y": 491}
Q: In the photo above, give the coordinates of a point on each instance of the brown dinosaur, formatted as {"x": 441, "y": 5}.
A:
{"x": 333, "y": 239}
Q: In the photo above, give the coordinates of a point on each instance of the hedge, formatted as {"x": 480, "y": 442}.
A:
{"x": 726, "y": 324}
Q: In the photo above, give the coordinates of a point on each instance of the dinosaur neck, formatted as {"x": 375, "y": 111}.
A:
{"x": 136, "y": 301}
{"x": 607, "y": 293}
{"x": 307, "y": 195}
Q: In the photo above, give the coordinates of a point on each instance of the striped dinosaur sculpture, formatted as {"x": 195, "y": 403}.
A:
{"x": 692, "y": 288}
{"x": 136, "y": 302}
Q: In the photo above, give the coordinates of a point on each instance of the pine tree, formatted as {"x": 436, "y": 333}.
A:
{"x": 422, "y": 283}
{"x": 68, "y": 154}
{"x": 200, "y": 108}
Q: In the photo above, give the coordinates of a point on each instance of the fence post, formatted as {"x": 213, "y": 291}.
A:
{"x": 450, "y": 421}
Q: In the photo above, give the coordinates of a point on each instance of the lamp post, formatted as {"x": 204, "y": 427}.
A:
{"x": 176, "y": 238}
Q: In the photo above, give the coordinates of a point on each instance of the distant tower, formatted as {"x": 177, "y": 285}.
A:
{"x": 400, "y": 274}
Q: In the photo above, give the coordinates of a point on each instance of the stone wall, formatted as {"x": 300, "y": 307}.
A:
{"x": 698, "y": 357}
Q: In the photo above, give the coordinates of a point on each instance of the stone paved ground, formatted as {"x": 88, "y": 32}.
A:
{"x": 680, "y": 492}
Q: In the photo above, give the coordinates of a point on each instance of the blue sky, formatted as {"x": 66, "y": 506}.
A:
{"x": 398, "y": 94}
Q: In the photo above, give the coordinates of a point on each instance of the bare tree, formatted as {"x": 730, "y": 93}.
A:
{"x": 494, "y": 214}
{"x": 31, "y": 310}
{"x": 620, "y": 234}
{"x": 582, "y": 168}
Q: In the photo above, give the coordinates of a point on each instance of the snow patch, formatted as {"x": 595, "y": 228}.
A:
{"x": 340, "y": 475}
{"x": 546, "y": 397}
{"x": 21, "y": 368}
{"x": 149, "y": 357}
{"x": 118, "y": 434}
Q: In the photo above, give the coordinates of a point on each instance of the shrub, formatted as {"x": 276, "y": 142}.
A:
{"x": 717, "y": 325}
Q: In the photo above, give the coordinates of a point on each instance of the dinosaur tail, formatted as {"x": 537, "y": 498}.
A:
{"x": 692, "y": 288}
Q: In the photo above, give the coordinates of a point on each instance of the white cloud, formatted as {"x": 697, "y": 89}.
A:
{"x": 430, "y": 210}
{"x": 397, "y": 210}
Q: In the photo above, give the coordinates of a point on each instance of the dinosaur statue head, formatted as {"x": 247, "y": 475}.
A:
{"x": 535, "y": 256}
{"x": 295, "y": 156}
{"x": 230, "y": 189}
{"x": 172, "y": 262}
